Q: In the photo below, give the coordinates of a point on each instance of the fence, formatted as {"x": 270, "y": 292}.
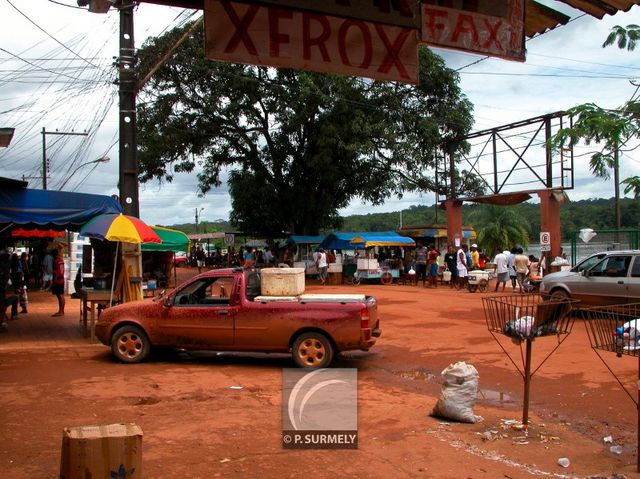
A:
{"x": 605, "y": 240}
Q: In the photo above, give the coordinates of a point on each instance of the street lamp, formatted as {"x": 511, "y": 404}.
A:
{"x": 198, "y": 212}
{"x": 102, "y": 159}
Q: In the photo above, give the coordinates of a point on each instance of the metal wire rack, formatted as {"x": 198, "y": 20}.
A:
{"x": 524, "y": 318}
{"x": 528, "y": 316}
{"x": 615, "y": 328}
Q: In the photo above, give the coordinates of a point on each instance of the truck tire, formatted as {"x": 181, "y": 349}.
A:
{"x": 130, "y": 344}
{"x": 312, "y": 351}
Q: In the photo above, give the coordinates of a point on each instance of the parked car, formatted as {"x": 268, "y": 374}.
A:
{"x": 610, "y": 277}
{"x": 180, "y": 258}
{"x": 222, "y": 310}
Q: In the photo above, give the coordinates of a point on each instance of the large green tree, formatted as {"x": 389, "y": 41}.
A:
{"x": 298, "y": 145}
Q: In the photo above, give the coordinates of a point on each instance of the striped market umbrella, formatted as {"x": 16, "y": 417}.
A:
{"x": 119, "y": 227}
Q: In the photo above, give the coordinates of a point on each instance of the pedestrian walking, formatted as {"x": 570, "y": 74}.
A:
{"x": 502, "y": 269}
{"x": 57, "y": 284}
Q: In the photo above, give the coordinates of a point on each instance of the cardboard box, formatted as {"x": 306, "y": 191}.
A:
{"x": 112, "y": 450}
{"x": 281, "y": 281}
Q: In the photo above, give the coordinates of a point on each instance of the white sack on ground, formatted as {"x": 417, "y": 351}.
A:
{"x": 459, "y": 393}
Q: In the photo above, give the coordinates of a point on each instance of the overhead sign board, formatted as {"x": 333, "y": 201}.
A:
{"x": 482, "y": 26}
{"x": 272, "y": 36}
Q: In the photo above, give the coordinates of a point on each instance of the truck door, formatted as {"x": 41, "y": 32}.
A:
{"x": 201, "y": 314}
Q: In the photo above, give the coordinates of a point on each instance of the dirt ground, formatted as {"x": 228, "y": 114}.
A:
{"x": 196, "y": 426}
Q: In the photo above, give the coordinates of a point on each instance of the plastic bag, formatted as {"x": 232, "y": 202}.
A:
{"x": 446, "y": 275}
{"x": 459, "y": 393}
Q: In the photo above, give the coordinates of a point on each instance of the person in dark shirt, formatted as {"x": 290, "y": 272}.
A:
{"x": 6, "y": 300}
{"x": 450, "y": 263}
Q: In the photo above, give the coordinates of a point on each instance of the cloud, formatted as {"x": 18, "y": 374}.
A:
{"x": 556, "y": 76}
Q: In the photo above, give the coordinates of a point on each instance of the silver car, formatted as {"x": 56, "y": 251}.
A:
{"x": 611, "y": 277}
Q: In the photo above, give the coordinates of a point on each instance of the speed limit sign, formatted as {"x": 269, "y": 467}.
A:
{"x": 545, "y": 238}
{"x": 229, "y": 239}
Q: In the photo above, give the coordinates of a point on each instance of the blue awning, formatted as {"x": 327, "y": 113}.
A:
{"x": 57, "y": 210}
{"x": 342, "y": 240}
{"x": 297, "y": 239}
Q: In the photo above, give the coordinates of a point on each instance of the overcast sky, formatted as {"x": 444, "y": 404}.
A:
{"x": 56, "y": 73}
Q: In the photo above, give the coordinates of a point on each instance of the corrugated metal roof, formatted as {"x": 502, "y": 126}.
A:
{"x": 538, "y": 18}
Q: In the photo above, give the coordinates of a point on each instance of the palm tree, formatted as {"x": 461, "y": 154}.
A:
{"x": 500, "y": 227}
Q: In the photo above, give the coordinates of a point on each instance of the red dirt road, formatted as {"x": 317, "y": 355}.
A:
{"x": 195, "y": 426}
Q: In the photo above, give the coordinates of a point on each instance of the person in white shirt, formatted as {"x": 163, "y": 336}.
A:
{"x": 268, "y": 256}
{"x": 502, "y": 269}
{"x": 322, "y": 265}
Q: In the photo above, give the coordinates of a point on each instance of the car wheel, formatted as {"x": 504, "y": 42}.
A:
{"x": 130, "y": 344}
{"x": 312, "y": 351}
{"x": 560, "y": 295}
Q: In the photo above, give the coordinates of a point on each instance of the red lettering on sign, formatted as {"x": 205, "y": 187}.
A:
{"x": 492, "y": 30}
{"x": 275, "y": 37}
{"x": 468, "y": 25}
{"x": 320, "y": 40}
{"x": 272, "y": 36}
{"x": 241, "y": 26}
{"x": 431, "y": 23}
{"x": 465, "y": 25}
{"x": 391, "y": 57}
{"x": 366, "y": 43}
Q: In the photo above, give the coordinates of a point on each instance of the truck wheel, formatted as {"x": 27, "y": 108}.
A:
{"x": 312, "y": 351}
{"x": 130, "y": 344}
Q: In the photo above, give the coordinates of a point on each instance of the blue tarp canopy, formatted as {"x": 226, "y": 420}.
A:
{"x": 342, "y": 240}
{"x": 295, "y": 239}
{"x": 57, "y": 210}
{"x": 374, "y": 239}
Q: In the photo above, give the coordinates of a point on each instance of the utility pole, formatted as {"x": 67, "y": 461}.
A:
{"x": 197, "y": 214}
{"x": 128, "y": 88}
{"x": 45, "y": 162}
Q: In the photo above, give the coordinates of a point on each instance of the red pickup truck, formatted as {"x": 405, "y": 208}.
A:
{"x": 222, "y": 310}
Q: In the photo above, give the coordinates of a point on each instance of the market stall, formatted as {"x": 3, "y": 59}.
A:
{"x": 158, "y": 259}
{"x": 302, "y": 248}
{"x": 382, "y": 258}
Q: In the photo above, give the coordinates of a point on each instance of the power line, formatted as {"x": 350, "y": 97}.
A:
{"x": 48, "y": 34}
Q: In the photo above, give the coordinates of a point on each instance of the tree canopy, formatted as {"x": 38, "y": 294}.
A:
{"x": 297, "y": 145}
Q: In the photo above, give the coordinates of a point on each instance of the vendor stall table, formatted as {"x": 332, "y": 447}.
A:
{"x": 90, "y": 298}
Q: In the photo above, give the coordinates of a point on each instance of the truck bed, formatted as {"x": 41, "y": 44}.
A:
{"x": 314, "y": 298}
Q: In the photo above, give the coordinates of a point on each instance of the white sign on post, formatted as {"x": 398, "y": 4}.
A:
{"x": 229, "y": 239}
{"x": 545, "y": 238}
